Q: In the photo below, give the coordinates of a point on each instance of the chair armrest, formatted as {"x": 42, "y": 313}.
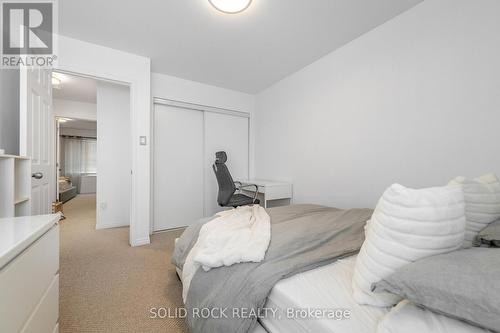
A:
{"x": 240, "y": 186}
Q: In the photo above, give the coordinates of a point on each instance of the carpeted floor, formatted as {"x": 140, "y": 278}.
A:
{"x": 108, "y": 286}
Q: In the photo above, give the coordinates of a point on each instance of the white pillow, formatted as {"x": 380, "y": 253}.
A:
{"x": 408, "y": 318}
{"x": 407, "y": 225}
{"x": 482, "y": 204}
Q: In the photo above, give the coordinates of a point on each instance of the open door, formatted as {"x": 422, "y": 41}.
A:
{"x": 36, "y": 135}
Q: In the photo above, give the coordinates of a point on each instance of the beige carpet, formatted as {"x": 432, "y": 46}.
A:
{"x": 108, "y": 286}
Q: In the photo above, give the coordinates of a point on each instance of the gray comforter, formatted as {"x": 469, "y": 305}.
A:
{"x": 303, "y": 237}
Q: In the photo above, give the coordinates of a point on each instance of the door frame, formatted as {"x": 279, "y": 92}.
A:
{"x": 86, "y": 59}
{"x": 201, "y": 108}
{"x": 80, "y": 118}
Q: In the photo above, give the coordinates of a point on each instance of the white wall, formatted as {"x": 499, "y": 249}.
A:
{"x": 113, "y": 155}
{"x": 9, "y": 111}
{"x": 74, "y": 109}
{"x": 174, "y": 88}
{"x": 415, "y": 101}
{"x": 80, "y": 57}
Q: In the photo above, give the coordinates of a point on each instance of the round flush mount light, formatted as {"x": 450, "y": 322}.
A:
{"x": 56, "y": 82}
{"x": 230, "y": 6}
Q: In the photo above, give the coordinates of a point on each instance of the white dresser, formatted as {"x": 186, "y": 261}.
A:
{"x": 29, "y": 274}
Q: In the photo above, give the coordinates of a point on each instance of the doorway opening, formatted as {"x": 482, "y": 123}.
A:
{"x": 76, "y": 158}
{"x": 92, "y": 149}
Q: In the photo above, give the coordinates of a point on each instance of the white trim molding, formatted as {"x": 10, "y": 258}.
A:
{"x": 199, "y": 107}
{"x": 140, "y": 242}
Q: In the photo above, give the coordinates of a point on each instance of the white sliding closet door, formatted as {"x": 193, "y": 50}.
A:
{"x": 228, "y": 133}
{"x": 178, "y": 167}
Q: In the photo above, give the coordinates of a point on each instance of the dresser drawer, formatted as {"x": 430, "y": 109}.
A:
{"x": 274, "y": 192}
{"x": 46, "y": 314}
{"x": 25, "y": 280}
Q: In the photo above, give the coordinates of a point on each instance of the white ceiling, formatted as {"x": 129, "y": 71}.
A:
{"x": 246, "y": 52}
{"x": 79, "y": 124}
{"x": 76, "y": 88}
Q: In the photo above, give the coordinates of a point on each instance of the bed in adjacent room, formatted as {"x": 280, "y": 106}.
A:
{"x": 67, "y": 190}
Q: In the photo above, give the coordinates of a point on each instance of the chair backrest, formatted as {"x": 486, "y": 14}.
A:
{"x": 224, "y": 179}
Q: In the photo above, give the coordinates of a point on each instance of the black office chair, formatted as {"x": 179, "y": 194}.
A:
{"x": 227, "y": 187}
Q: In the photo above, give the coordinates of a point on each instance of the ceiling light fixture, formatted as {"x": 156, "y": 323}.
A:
{"x": 230, "y": 6}
{"x": 56, "y": 82}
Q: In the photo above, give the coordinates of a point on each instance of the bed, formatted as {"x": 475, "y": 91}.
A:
{"x": 323, "y": 285}
{"x": 329, "y": 287}
{"x": 67, "y": 190}
{"x": 325, "y": 288}
{"x": 321, "y": 235}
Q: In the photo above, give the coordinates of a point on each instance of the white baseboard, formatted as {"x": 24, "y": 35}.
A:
{"x": 110, "y": 225}
{"x": 140, "y": 242}
{"x": 134, "y": 242}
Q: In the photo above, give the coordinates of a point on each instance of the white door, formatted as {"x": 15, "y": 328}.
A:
{"x": 36, "y": 135}
{"x": 178, "y": 167}
{"x": 230, "y": 134}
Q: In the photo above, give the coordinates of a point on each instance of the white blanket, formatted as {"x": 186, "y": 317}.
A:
{"x": 237, "y": 235}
